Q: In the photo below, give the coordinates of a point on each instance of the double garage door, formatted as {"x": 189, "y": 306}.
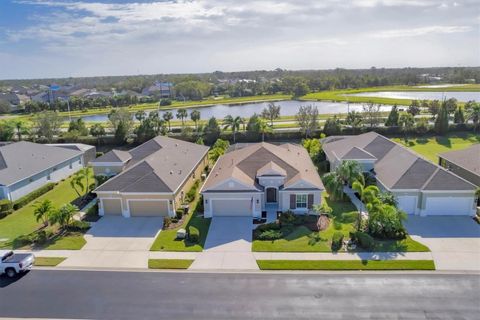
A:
{"x": 232, "y": 208}
{"x": 138, "y": 208}
{"x": 437, "y": 206}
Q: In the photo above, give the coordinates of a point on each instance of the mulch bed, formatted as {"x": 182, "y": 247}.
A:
{"x": 83, "y": 201}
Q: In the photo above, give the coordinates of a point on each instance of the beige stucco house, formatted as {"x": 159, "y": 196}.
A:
{"x": 149, "y": 180}
{"x": 248, "y": 178}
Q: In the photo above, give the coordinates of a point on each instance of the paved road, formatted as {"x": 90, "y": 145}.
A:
{"x": 152, "y": 295}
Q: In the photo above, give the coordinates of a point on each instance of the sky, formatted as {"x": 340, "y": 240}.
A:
{"x": 70, "y": 38}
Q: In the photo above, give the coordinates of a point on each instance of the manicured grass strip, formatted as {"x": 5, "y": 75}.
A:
{"x": 169, "y": 263}
{"x": 48, "y": 262}
{"x": 73, "y": 241}
{"x": 346, "y": 265}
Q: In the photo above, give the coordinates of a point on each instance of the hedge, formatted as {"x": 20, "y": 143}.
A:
{"x": 193, "y": 234}
{"x": 6, "y": 208}
{"x": 19, "y": 203}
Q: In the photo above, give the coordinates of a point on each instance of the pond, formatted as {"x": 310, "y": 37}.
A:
{"x": 460, "y": 96}
{"x": 288, "y": 108}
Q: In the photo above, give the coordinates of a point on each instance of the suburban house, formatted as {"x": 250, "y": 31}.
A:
{"x": 159, "y": 89}
{"x": 420, "y": 186}
{"x": 465, "y": 163}
{"x": 89, "y": 152}
{"x": 151, "y": 179}
{"x": 247, "y": 179}
{"x": 27, "y": 166}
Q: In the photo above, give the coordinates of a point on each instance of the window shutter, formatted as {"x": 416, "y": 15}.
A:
{"x": 310, "y": 201}
{"x": 293, "y": 202}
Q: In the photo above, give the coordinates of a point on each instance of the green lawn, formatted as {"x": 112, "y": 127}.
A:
{"x": 23, "y": 222}
{"x": 48, "y": 262}
{"x": 346, "y": 265}
{"x": 344, "y": 95}
{"x": 71, "y": 241}
{"x": 167, "y": 239}
{"x": 169, "y": 263}
{"x": 431, "y": 146}
{"x": 344, "y": 219}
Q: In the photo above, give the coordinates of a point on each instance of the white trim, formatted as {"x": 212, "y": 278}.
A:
{"x": 106, "y": 164}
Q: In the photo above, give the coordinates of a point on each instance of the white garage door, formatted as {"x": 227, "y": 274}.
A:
{"x": 148, "y": 208}
{"x": 407, "y": 203}
{"x": 112, "y": 207}
{"x": 455, "y": 206}
{"x": 234, "y": 208}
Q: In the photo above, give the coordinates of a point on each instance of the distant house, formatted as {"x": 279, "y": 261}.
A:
{"x": 151, "y": 179}
{"x": 26, "y": 166}
{"x": 160, "y": 90}
{"x": 420, "y": 186}
{"x": 13, "y": 99}
{"x": 465, "y": 163}
{"x": 250, "y": 177}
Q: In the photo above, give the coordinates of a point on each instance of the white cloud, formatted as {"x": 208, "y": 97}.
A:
{"x": 422, "y": 31}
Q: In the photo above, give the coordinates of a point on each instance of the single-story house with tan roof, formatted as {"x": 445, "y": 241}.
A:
{"x": 420, "y": 186}
{"x": 246, "y": 179}
{"x": 149, "y": 180}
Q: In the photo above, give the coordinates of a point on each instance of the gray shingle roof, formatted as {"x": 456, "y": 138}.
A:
{"x": 114, "y": 156}
{"x": 159, "y": 165}
{"x": 468, "y": 159}
{"x": 395, "y": 166}
{"x": 21, "y": 160}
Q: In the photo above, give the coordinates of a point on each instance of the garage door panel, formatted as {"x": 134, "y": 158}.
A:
{"x": 407, "y": 203}
{"x": 234, "y": 208}
{"x": 112, "y": 207}
{"x": 148, "y": 208}
{"x": 448, "y": 206}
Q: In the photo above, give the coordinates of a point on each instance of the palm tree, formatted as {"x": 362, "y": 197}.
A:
{"x": 349, "y": 171}
{"x": 334, "y": 185}
{"x": 43, "y": 210}
{"x": 233, "y": 123}
{"x": 64, "y": 216}
{"x": 182, "y": 114}
{"x": 77, "y": 181}
{"x": 264, "y": 127}
{"x": 368, "y": 196}
{"x": 474, "y": 115}
{"x": 21, "y": 128}
{"x": 168, "y": 116}
{"x": 195, "y": 116}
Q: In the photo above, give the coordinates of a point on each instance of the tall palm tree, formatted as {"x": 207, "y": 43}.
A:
{"x": 168, "y": 116}
{"x": 368, "y": 196}
{"x": 349, "y": 171}
{"x": 182, "y": 114}
{"x": 233, "y": 123}
{"x": 264, "y": 127}
{"x": 474, "y": 115}
{"x": 195, "y": 116}
{"x": 43, "y": 210}
{"x": 334, "y": 185}
{"x": 64, "y": 216}
{"x": 77, "y": 181}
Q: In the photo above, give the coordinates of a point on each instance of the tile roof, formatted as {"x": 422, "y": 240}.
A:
{"x": 23, "y": 159}
{"x": 395, "y": 166}
{"x": 244, "y": 164}
{"x": 159, "y": 165}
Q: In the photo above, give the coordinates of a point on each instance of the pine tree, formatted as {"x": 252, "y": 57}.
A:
{"x": 459, "y": 117}
{"x": 441, "y": 121}
{"x": 393, "y": 116}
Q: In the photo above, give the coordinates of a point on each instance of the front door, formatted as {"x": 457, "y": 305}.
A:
{"x": 271, "y": 195}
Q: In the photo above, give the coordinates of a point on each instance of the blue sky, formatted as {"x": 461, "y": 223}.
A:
{"x": 62, "y": 38}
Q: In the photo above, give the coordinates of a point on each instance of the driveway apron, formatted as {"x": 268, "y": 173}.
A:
{"x": 228, "y": 246}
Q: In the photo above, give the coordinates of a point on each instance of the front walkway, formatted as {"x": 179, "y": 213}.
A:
{"x": 228, "y": 245}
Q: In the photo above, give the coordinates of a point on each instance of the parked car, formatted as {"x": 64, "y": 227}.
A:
{"x": 14, "y": 263}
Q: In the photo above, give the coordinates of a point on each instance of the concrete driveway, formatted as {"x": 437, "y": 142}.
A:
{"x": 228, "y": 245}
{"x": 117, "y": 242}
{"x": 453, "y": 240}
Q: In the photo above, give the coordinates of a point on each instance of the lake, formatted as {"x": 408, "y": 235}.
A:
{"x": 460, "y": 96}
{"x": 288, "y": 108}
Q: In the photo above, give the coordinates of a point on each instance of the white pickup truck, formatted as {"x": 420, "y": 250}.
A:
{"x": 14, "y": 263}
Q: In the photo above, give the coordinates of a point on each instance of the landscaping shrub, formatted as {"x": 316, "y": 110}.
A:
{"x": 192, "y": 192}
{"x": 40, "y": 237}
{"x": 287, "y": 217}
{"x": 286, "y": 230}
{"x": 299, "y": 219}
{"x": 270, "y": 235}
{"x": 268, "y": 226}
{"x": 337, "y": 225}
{"x": 199, "y": 207}
{"x": 17, "y": 204}
{"x": 101, "y": 179}
{"x": 6, "y": 208}
{"x": 193, "y": 234}
{"x": 92, "y": 213}
{"x": 98, "y": 154}
{"x": 166, "y": 222}
{"x": 78, "y": 226}
{"x": 337, "y": 241}
{"x": 179, "y": 213}
{"x": 21, "y": 241}
{"x": 165, "y": 102}
{"x": 363, "y": 239}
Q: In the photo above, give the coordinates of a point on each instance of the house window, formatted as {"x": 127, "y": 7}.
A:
{"x": 301, "y": 200}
